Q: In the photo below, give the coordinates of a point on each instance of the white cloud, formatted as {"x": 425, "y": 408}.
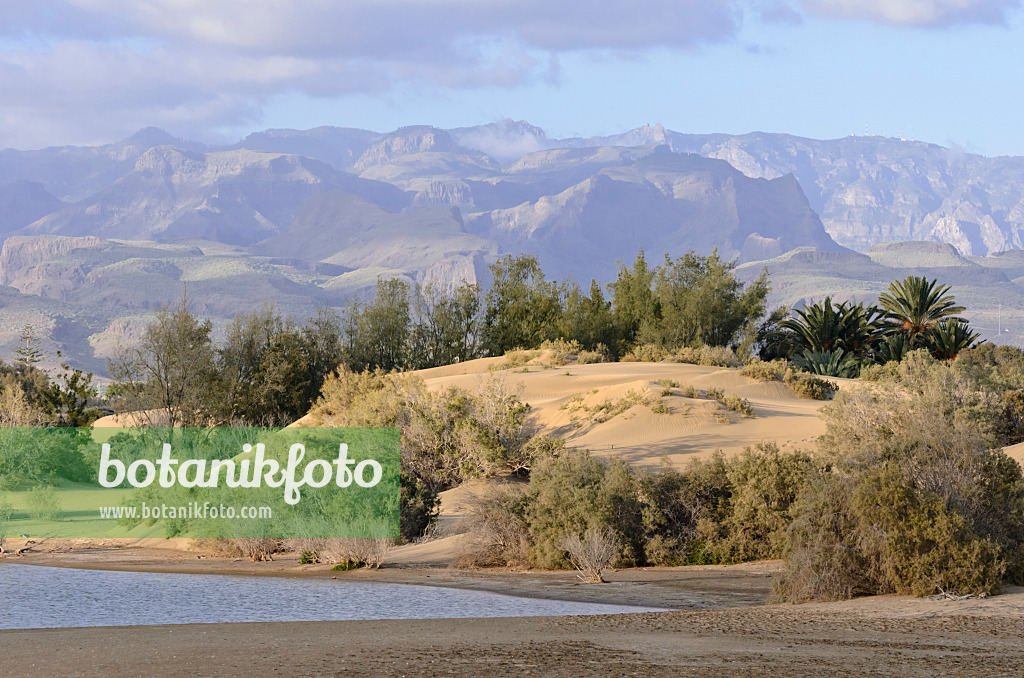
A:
{"x": 924, "y": 13}
{"x": 81, "y": 70}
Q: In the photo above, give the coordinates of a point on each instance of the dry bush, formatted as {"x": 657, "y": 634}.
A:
{"x": 592, "y": 553}
{"x": 495, "y": 531}
{"x": 709, "y": 356}
{"x": 600, "y": 354}
{"x": 515, "y": 358}
{"x": 737, "y": 404}
{"x": 645, "y": 353}
{"x": 765, "y": 371}
{"x": 256, "y": 549}
{"x": 806, "y": 385}
{"x": 370, "y": 551}
{"x": 659, "y": 407}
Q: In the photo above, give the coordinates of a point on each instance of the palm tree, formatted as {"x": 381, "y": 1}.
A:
{"x": 822, "y": 328}
{"x": 916, "y": 305}
{"x": 950, "y": 337}
{"x": 828, "y": 363}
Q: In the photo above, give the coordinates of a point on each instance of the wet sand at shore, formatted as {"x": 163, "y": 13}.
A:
{"x": 873, "y": 636}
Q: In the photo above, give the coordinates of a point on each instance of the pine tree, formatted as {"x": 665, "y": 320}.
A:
{"x": 29, "y": 352}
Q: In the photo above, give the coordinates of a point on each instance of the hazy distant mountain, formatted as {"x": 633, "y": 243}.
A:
{"x": 22, "y": 202}
{"x": 866, "y": 189}
{"x": 97, "y": 237}
{"x": 663, "y": 203}
{"x": 235, "y": 197}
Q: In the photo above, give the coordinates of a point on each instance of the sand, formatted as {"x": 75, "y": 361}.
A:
{"x": 639, "y": 435}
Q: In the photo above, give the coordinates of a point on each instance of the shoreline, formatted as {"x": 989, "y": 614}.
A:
{"x": 726, "y": 625}
{"x": 667, "y": 588}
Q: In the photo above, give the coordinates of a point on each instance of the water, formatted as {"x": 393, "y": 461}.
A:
{"x": 47, "y": 597}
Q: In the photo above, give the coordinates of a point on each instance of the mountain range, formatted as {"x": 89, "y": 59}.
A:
{"x": 96, "y": 237}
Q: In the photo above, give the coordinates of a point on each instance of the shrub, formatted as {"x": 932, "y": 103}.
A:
{"x": 496, "y": 530}
{"x": 750, "y": 521}
{"x": 44, "y": 503}
{"x": 255, "y": 549}
{"x": 668, "y": 383}
{"x": 765, "y": 371}
{"x": 600, "y": 355}
{"x": 660, "y": 407}
{"x": 709, "y": 356}
{"x": 807, "y": 385}
{"x": 592, "y": 553}
{"x": 419, "y": 507}
{"x": 645, "y": 353}
{"x": 689, "y": 392}
{"x": 715, "y": 394}
{"x": 6, "y": 513}
{"x": 570, "y": 494}
{"x": 919, "y": 497}
{"x": 514, "y": 359}
{"x": 737, "y": 404}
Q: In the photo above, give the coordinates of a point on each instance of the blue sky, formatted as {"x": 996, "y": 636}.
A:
{"x": 92, "y": 71}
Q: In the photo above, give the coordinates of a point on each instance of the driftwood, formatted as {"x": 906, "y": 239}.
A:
{"x": 949, "y": 595}
{"x": 16, "y": 552}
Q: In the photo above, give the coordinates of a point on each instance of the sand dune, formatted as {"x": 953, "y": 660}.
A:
{"x": 565, "y": 400}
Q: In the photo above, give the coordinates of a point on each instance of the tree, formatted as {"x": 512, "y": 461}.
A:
{"x": 521, "y": 308}
{"x": 170, "y": 376}
{"x": 823, "y": 328}
{"x": 633, "y": 300}
{"x": 379, "y": 332}
{"x": 66, "y": 398}
{"x": 702, "y": 302}
{"x": 587, "y": 319}
{"x": 915, "y": 305}
{"x": 951, "y": 336}
{"x": 447, "y": 326}
{"x": 28, "y": 352}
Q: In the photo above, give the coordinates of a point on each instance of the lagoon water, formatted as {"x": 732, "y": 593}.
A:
{"x": 47, "y": 597}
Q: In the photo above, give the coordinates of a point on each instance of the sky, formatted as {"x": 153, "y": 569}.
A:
{"x": 88, "y": 72}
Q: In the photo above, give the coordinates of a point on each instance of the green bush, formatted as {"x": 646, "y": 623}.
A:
{"x": 574, "y": 492}
{"x": 755, "y": 492}
{"x": 347, "y": 565}
{"x": 919, "y": 497}
{"x": 44, "y": 503}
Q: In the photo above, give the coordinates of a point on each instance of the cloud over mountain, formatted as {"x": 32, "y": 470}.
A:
{"x": 85, "y": 71}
